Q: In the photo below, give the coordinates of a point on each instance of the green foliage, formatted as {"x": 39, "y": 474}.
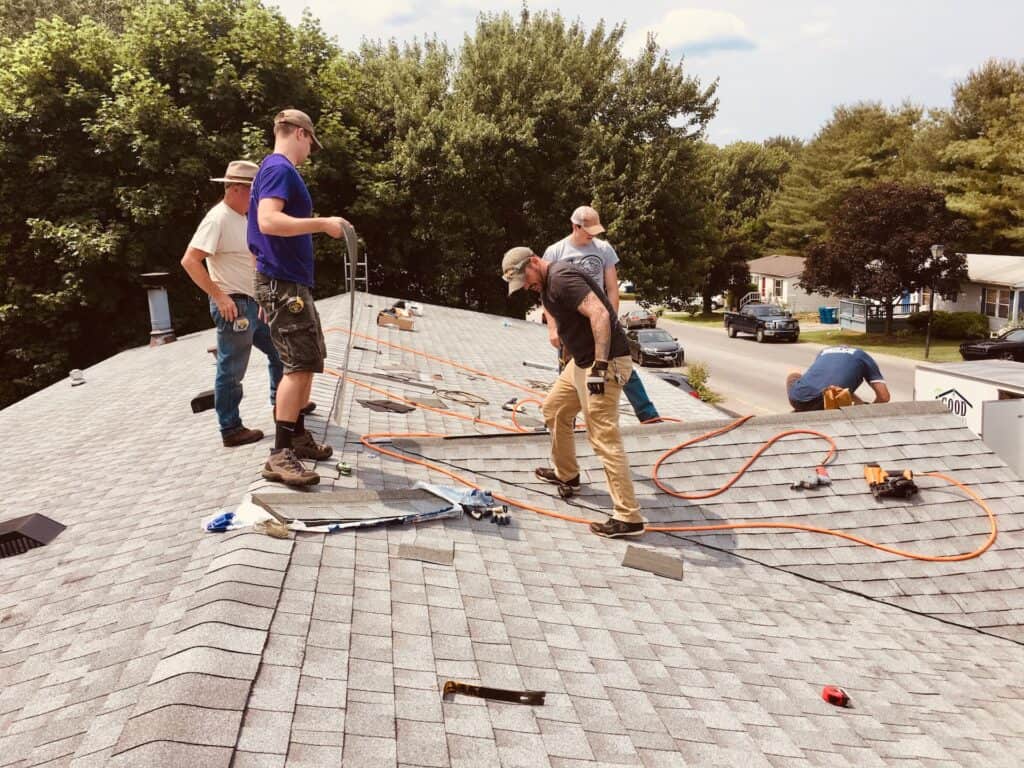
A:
{"x": 860, "y": 145}
{"x": 745, "y": 178}
{"x": 111, "y": 128}
{"x": 18, "y": 17}
{"x": 107, "y": 142}
{"x": 879, "y": 244}
{"x": 958, "y": 326}
{"x": 698, "y": 374}
{"x": 981, "y": 165}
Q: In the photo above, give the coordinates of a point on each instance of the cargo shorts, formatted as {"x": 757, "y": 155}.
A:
{"x": 294, "y": 323}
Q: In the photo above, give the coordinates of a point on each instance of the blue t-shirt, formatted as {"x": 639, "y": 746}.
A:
{"x": 283, "y": 258}
{"x": 845, "y": 367}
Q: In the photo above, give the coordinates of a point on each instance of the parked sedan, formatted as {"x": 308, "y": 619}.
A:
{"x": 654, "y": 346}
{"x": 1009, "y": 346}
{"x": 638, "y": 318}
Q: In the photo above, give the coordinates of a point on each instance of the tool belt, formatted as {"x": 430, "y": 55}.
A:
{"x": 836, "y": 397}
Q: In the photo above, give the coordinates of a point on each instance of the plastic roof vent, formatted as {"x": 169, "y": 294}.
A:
{"x": 24, "y": 533}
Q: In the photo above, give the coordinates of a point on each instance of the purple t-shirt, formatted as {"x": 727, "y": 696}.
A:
{"x": 283, "y": 258}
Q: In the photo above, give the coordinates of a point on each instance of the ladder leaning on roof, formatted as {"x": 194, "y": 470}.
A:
{"x": 356, "y": 277}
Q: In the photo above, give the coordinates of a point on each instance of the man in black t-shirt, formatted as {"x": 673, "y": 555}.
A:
{"x": 591, "y": 382}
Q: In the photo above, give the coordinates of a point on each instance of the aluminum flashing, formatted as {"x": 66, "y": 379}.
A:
{"x": 27, "y": 532}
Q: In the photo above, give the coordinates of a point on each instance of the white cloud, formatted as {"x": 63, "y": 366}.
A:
{"x": 696, "y": 31}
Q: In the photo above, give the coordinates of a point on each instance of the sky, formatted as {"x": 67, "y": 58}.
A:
{"x": 782, "y": 65}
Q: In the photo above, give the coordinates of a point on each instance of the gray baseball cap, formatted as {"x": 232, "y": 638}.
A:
{"x": 513, "y": 265}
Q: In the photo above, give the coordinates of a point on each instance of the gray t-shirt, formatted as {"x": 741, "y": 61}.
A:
{"x": 593, "y": 258}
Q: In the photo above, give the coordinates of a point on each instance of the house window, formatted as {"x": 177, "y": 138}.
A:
{"x": 777, "y": 287}
{"x": 995, "y": 302}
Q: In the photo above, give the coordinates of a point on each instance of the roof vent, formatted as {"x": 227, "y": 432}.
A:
{"x": 24, "y": 533}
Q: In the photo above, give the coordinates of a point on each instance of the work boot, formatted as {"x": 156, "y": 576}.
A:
{"x": 616, "y": 529}
{"x": 240, "y": 436}
{"x": 306, "y": 447}
{"x": 548, "y": 476}
{"x": 284, "y": 467}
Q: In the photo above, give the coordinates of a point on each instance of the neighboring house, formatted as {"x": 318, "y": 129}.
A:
{"x": 994, "y": 287}
{"x": 778, "y": 280}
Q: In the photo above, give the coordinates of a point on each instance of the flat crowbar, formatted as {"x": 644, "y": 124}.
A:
{"x": 452, "y": 687}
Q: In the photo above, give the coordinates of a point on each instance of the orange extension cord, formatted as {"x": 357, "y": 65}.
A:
{"x": 367, "y": 439}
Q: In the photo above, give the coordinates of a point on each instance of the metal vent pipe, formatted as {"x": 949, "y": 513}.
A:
{"x": 159, "y": 308}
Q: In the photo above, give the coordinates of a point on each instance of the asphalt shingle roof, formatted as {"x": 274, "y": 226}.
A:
{"x": 136, "y": 639}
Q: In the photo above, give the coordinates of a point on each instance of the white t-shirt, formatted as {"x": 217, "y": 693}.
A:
{"x": 222, "y": 234}
{"x": 593, "y": 258}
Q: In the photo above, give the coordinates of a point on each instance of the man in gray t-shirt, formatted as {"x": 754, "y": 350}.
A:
{"x": 595, "y": 257}
{"x": 598, "y": 260}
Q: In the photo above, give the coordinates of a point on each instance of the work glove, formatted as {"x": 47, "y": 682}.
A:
{"x": 596, "y": 377}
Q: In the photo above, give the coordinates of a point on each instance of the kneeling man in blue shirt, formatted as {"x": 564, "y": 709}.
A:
{"x": 843, "y": 367}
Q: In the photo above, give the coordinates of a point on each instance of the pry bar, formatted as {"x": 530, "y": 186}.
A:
{"x": 452, "y": 687}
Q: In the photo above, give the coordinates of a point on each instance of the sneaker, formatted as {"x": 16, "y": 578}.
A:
{"x": 615, "y": 529}
{"x": 548, "y": 476}
{"x": 305, "y": 447}
{"x": 240, "y": 436}
{"x": 284, "y": 467}
{"x": 308, "y": 408}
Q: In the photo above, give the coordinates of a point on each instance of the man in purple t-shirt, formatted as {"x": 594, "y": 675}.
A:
{"x": 280, "y": 236}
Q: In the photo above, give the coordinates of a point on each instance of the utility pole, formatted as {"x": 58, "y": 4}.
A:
{"x": 936, "y": 257}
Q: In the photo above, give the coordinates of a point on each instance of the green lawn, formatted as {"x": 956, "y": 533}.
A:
{"x": 715, "y": 318}
{"x": 942, "y": 351}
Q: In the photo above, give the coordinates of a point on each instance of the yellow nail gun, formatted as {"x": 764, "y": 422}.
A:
{"x": 898, "y": 484}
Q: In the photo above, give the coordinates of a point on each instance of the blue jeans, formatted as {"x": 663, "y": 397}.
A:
{"x": 636, "y": 393}
{"x": 233, "y": 348}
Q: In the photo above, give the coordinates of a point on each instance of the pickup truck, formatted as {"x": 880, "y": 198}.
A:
{"x": 764, "y": 321}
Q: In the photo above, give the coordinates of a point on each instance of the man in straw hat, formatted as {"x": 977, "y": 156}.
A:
{"x": 281, "y": 229}
{"x": 220, "y": 240}
{"x": 591, "y": 381}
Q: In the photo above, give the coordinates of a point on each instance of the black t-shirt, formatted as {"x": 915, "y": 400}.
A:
{"x": 565, "y": 288}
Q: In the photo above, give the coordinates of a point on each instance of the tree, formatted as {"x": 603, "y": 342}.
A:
{"x": 879, "y": 245}
{"x": 540, "y": 116}
{"x": 860, "y": 145}
{"x": 19, "y": 17}
{"x": 981, "y": 165}
{"x": 107, "y": 142}
{"x": 745, "y": 178}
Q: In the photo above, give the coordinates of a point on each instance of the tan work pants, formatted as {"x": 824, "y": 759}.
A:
{"x": 567, "y": 398}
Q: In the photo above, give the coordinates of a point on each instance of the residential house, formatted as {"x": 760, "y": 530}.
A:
{"x": 778, "y": 280}
{"x": 994, "y": 287}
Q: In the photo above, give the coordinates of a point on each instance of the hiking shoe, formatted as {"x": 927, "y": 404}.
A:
{"x": 305, "y": 447}
{"x": 548, "y": 476}
{"x": 615, "y": 529}
{"x": 284, "y": 467}
{"x": 308, "y": 408}
{"x": 240, "y": 436}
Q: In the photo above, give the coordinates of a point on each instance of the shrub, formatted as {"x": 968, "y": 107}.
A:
{"x": 957, "y": 326}
{"x": 698, "y": 374}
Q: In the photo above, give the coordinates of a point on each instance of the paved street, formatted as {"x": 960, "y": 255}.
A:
{"x": 751, "y": 376}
